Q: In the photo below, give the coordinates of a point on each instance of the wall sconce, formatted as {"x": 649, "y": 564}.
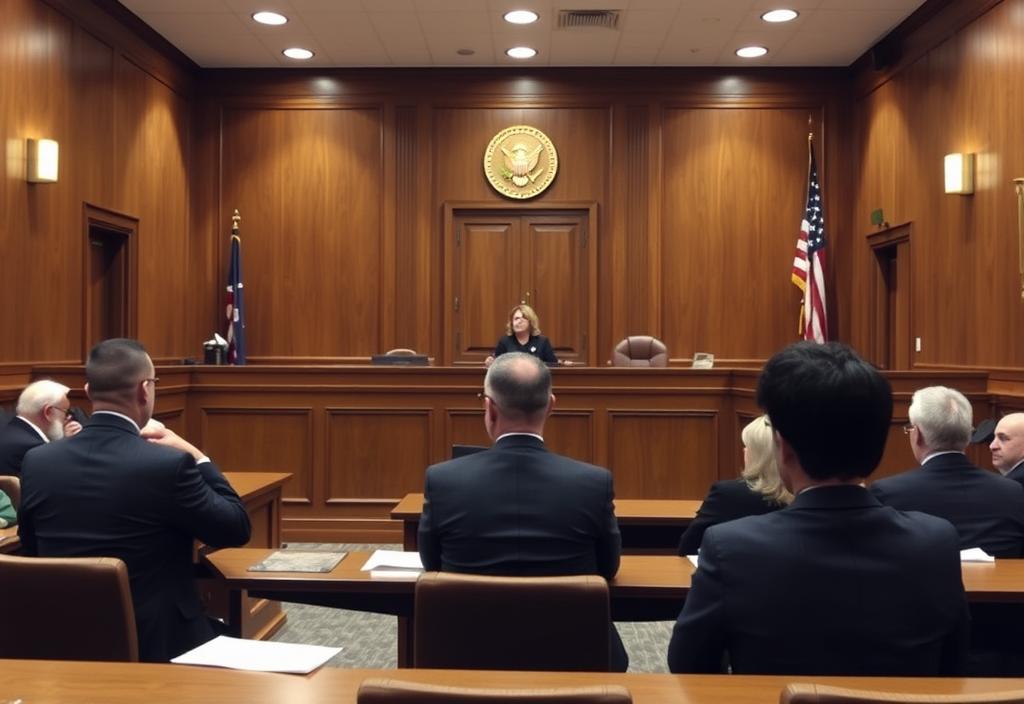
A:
{"x": 42, "y": 157}
{"x": 959, "y": 173}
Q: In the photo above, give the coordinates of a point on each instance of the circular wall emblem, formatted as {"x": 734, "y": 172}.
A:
{"x": 520, "y": 162}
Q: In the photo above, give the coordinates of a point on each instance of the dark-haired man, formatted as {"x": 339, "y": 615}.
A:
{"x": 517, "y": 509}
{"x": 110, "y": 492}
{"x": 836, "y": 583}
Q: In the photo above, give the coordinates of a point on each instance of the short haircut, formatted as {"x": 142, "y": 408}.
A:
{"x": 520, "y": 384}
{"x": 39, "y": 394}
{"x": 943, "y": 416}
{"x": 116, "y": 365}
{"x": 760, "y": 471}
{"x": 529, "y": 314}
{"x": 832, "y": 407}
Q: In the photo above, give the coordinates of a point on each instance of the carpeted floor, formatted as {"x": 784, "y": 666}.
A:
{"x": 370, "y": 640}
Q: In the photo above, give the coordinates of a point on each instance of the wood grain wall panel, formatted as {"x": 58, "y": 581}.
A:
{"x": 413, "y": 253}
{"x": 571, "y": 433}
{"x": 263, "y": 439}
{"x": 734, "y": 192}
{"x": 308, "y": 184}
{"x": 966, "y": 290}
{"x": 376, "y": 453}
{"x": 464, "y": 427}
{"x": 636, "y": 172}
{"x": 662, "y": 454}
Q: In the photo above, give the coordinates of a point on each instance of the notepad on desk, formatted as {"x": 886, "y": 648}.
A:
{"x": 258, "y": 655}
{"x": 393, "y": 564}
{"x": 299, "y": 561}
{"x": 975, "y": 555}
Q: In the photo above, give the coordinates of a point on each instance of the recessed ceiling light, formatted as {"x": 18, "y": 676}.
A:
{"x": 297, "y": 53}
{"x": 269, "y": 18}
{"x": 780, "y": 15}
{"x": 751, "y": 52}
{"x": 521, "y": 16}
{"x": 521, "y": 52}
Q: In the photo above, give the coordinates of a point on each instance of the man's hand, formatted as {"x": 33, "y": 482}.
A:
{"x": 71, "y": 427}
{"x": 489, "y": 361}
{"x": 166, "y": 436}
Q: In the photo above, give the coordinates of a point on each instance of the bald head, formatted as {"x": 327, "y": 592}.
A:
{"x": 519, "y": 385}
{"x": 1008, "y": 445}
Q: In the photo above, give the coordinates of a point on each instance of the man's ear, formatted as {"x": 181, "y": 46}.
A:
{"x": 87, "y": 391}
{"x": 786, "y": 453}
{"x": 551, "y": 405}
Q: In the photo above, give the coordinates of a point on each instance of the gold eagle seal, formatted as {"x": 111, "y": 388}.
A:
{"x": 520, "y": 162}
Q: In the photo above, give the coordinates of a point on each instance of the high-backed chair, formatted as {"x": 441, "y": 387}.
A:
{"x": 640, "y": 351}
{"x": 476, "y": 622}
{"x": 401, "y": 352}
{"x": 12, "y": 487}
{"x": 67, "y": 608}
{"x": 384, "y": 691}
{"x": 799, "y": 693}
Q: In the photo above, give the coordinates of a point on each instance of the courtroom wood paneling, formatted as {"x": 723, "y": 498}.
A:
{"x": 663, "y": 453}
{"x": 263, "y": 439}
{"x": 464, "y": 427}
{"x": 571, "y": 433}
{"x": 376, "y": 453}
{"x": 309, "y": 186}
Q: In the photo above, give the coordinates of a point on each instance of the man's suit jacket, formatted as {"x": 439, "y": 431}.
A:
{"x": 986, "y": 509}
{"x": 517, "y": 509}
{"x": 1017, "y": 473}
{"x": 106, "y": 492}
{"x": 16, "y": 438}
{"x": 834, "y": 584}
{"x": 726, "y": 501}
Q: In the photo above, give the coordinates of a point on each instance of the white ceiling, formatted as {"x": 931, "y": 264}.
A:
{"x": 393, "y": 33}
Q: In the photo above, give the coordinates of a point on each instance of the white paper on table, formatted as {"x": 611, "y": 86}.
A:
{"x": 258, "y": 655}
{"x": 975, "y": 555}
{"x": 395, "y": 573}
{"x": 393, "y": 559}
{"x": 693, "y": 559}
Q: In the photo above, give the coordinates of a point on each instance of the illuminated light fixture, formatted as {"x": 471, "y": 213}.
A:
{"x": 298, "y": 53}
{"x": 780, "y": 15}
{"x": 521, "y": 17}
{"x": 751, "y": 52}
{"x": 521, "y": 52}
{"x": 959, "y": 173}
{"x": 269, "y": 18}
{"x": 42, "y": 156}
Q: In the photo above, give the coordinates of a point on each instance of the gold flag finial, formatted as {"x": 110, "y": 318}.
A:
{"x": 235, "y": 219}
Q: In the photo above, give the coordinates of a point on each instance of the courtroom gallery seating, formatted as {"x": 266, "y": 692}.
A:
{"x": 384, "y": 691}
{"x": 640, "y": 351}
{"x": 799, "y": 693}
{"x": 476, "y": 622}
{"x": 67, "y": 608}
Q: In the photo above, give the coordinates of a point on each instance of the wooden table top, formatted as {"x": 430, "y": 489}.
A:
{"x": 647, "y": 576}
{"x": 63, "y": 682}
{"x": 662, "y": 512}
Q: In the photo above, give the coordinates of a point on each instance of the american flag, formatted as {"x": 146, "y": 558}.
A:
{"x": 809, "y": 262}
{"x": 236, "y": 321}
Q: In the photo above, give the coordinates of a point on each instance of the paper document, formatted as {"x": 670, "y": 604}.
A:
{"x": 298, "y": 561}
{"x": 258, "y": 655}
{"x": 975, "y": 555}
{"x": 693, "y": 559}
{"x": 394, "y": 560}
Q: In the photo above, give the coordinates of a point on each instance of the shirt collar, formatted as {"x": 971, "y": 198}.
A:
{"x": 35, "y": 428}
{"x": 936, "y": 454}
{"x": 120, "y": 415}
{"x": 508, "y": 435}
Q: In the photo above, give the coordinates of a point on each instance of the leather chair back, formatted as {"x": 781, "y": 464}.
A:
{"x": 476, "y": 622}
{"x": 12, "y": 487}
{"x": 400, "y": 352}
{"x": 384, "y": 691}
{"x": 67, "y": 608}
{"x": 640, "y": 351}
{"x": 799, "y": 693}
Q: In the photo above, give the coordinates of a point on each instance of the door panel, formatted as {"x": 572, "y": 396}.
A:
{"x": 486, "y": 283}
{"x": 555, "y": 276}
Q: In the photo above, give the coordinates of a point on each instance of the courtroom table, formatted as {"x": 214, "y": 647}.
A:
{"x": 646, "y": 524}
{"x": 64, "y": 682}
{"x": 9, "y": 541}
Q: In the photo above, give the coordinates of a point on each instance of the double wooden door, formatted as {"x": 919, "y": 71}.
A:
{"x": 501, "y": 259}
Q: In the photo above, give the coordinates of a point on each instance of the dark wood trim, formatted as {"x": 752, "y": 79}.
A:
{"x": 129, "y": 227}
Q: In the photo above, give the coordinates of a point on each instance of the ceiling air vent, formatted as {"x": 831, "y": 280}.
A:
{"x": 568, "y": 19}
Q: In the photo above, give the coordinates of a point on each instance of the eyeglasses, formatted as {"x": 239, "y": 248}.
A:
{"x": 483, "y": 395}
{"x": 65, "y": 411}
{"x": 154, "y": 380}
{"x": 907, "y": 428}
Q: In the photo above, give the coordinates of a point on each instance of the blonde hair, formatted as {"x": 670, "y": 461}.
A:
{"x": 760, "y": 471}
{"x": 528, "y": 313}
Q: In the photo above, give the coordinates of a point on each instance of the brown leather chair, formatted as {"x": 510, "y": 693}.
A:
{"x": 476, "y": 622}
{"x": 67, "y": 608}
{"x": 799, "y": 693}
{"x": 384, "y": 691}
{"x": 401, "y": 352}
{"x": 12, "y": 487}
{"x": 640, "y": 351}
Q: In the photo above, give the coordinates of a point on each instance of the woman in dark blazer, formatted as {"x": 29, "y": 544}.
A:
{"x": 759, "y": 490}
{"x": 522, "y": 334}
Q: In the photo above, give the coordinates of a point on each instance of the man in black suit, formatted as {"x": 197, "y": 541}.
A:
{"x": 1008, "y": 447}
{"x": 517, "y": 509}
{"x": 987, "y": 510}
{"x": 42, "y": 416}
{"x": 110, "y": 492}
{"x": 836, "y": 583}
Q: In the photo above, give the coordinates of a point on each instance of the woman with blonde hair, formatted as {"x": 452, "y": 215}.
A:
{"x": 522, "y": 334}
{"x": 759, "y": 489}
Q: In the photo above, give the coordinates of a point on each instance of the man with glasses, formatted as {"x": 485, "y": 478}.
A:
{"x": 42, "y": 415}
{"x": 517, "y": 509}
{"x": 142, "y": 496}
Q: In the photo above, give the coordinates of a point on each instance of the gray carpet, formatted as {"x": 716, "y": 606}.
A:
{"x": 370, "y": 640}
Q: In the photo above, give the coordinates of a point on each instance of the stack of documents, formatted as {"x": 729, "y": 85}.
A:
{"x": 393, "y": 564}
{"x": 258, "y": 655}
{"x": 975, "y": 555}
